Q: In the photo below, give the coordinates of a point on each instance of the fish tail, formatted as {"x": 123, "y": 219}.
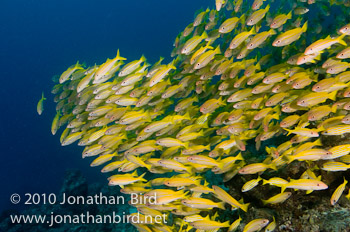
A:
{"x": 272, "y": 32}
{"x": 42, "y": 96}
{"x": 244, "y": 207}
{"x": 189, "y": 170}
{"x": 289, "y": 15}
{"x": 226, "y": 224}
{"x": 273, "y": 166}
{"x": 289, "y": 131}
{"x": 186, "y": 145}
{"x": 334, "y": 108}
{"x": 141, "y": 177}
{"x": 265, "y": 182}
{"x": 304, "y": 28}
{"x": 318, "y": 142}
{"x": 348, "y": 196}
{"x": 289, "y": 158}
{"x": 253, "y": 30}
{"x": 221, "y": 205}
{"x": 242, "y": 19}
{"x": 239, "y": 156}
{"x": 283, "y": 188}
{"x": 148, "y": 166}
{"x": 204, "y": 35}
{"x": 264, "y": 202}
{"x": 258, "y": 66}
{"x": 143, "y": 58}
{"x": 118, "y": 57}
{"x": 267, "y": 8}
{"x": 172, "y": 64}
{"x": 217, "y": 50}
{"x": 341, "y": 41}
{"x": 148, "y": 184}
{"x": 333, "y": 95}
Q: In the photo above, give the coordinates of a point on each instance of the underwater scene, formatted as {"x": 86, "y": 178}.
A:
{"x": 203, "y": 115}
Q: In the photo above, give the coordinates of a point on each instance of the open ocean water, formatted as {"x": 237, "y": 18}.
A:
{"x": 42, "y": 38}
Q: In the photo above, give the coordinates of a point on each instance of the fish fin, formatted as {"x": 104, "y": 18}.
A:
{"x": 239, "y": 156}
{"x": 143, "y": 58}
{"x": 148, "y": 166}
{"x": 333, "y": 95}
{"x": 118, "y": 57}
{"x": 134, "y": 173}
{"x": 244, "y": 207}
{"x": 341, "y": 41}
{"x": 189, "y": 170}
{"x": 221, "y": 205}
{"x": 272, "y": 32}
{"x": 304, "y": 28}
{"x": 289, "y": 131}
{"x": 289, "y": 15}
{"x": 242, "y": 19}
{"x": 283, "y": 188}
{"x": 309, "y": 191}
{"x": 258, "y": 66}
{"x": 204, "y": 35}
{"x": 141, "y": 177}
{"x": 253, "y": 30}
{"x": 318, "y": 142}
{"x": 334, "y": 108}
{"x": 217, "y": 50}
{"x": 226, "y": 224}
{"x": 172, "y": 64}
{"x": 121, "y": 186}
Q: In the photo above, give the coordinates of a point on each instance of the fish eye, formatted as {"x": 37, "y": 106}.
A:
{"x": 318, "y": 184}
{"x": 278, "y": 41}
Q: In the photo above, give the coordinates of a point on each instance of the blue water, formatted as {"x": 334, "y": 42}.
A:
{"x": 40, "y": 38}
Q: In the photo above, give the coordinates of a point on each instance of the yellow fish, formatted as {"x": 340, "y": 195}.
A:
{"x": 256, "y": 225}
{"x": 338, "y": 192}
{"x": 289, "y": 37}
{"x": 224, "y": 196}
{"x": 323, "y": 44}
{"x": 40, "y": 105}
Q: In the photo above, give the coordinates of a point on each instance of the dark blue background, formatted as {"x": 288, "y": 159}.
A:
{"x": 40, "y": 38}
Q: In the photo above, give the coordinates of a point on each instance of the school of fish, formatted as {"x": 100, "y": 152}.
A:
{"x": 250, "y": 91}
